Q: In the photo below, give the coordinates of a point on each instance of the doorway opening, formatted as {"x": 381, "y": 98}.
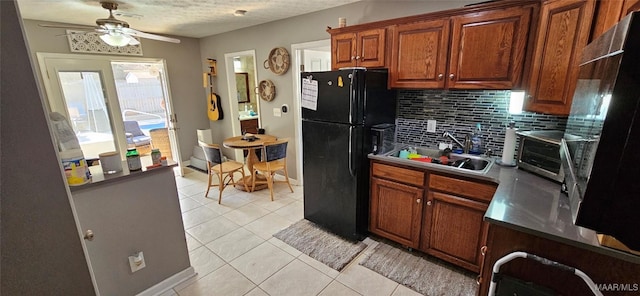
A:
{"x": 142, "y": 99}
{"x": 310, "y": 56}
{"x": 243, "y": 103}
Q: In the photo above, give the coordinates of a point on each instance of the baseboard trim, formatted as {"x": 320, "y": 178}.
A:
{"x": 169, "y": 282}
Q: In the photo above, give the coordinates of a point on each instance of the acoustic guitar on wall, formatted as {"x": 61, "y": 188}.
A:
{"x": 214, "y": 109}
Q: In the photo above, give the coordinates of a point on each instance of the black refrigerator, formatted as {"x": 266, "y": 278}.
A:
{"x": 336, "y": 138}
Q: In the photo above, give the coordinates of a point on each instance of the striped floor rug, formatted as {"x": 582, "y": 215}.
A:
{"x": 328, "y": 248}
{"x": 423, "y": 274}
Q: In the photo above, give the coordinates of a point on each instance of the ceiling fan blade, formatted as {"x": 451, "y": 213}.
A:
{"x": 78, "y": 27}
{"x": 141, "y": 34}
{"x": 134, "y": 41}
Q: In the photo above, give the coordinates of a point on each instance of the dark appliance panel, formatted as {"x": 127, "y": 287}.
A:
{"x": 336, "y": 194}
{"x": 354, "y": 96}
{"x": 601, "y": 146}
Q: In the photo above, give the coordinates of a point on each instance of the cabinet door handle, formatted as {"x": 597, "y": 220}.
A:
{"x": 451, "y": 76}
{"x": 483, "y": 250}
{"x": 428, "y": 202}
{"x": 357, "y": 57}
{"x": 440, "y": 76}
{"x": 418, "y": 200}
{"x": 478, "y": 280}
{"x": 88, "y": 235}
{"x": 353, "y": 57}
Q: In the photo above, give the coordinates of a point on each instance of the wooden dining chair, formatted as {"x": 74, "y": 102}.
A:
{"x": 274, "y": 158}
{"x": 224, "y": 170}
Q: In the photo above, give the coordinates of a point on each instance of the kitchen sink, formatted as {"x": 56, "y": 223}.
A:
{"x": 460, "y": 162}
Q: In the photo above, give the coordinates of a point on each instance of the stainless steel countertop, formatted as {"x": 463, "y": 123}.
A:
{"x": 528, "y": 203}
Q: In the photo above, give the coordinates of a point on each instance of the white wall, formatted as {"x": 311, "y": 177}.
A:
{"x": 283, "y": 33}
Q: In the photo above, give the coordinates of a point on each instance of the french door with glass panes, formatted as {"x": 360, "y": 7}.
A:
{"x": 86, "y": 91}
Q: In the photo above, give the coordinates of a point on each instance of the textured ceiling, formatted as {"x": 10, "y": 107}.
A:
{"x": 189, "y": 18}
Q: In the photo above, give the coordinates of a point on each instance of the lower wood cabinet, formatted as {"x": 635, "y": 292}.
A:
{"x": 443, "y": 217}
{"x": 396, "y": 211}
{"x": 454, "y": 229}
{"x": 249, "y": 126}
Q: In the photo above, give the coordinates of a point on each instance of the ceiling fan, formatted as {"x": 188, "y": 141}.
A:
{"x": 113, "y": 31}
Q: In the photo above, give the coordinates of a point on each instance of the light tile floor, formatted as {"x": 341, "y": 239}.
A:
{"x": 232, "y": 249}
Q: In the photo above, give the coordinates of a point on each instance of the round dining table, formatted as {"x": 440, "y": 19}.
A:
{"x": 251, "y": 144}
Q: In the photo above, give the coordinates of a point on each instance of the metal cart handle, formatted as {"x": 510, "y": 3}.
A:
{"x": 511, "y": 256}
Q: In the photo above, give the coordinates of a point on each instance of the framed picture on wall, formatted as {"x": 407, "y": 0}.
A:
{"x": 242, "y": 86}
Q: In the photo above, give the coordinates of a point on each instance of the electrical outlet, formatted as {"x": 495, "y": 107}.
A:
{"x": 277, "y": 112}
{"x": 431, "y": 126}
{"x": 136, "y": 262}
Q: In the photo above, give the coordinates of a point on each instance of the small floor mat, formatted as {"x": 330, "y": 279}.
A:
{"x": 326, "y": 247}
{"x": 423, "y": 274}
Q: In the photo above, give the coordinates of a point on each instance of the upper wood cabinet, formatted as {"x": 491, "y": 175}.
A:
{"x": 480, "y": 50}
{"x": 488, "y": 48}
{"x": 359, "y": 49}
{"x": 419, "y": 54}
{"x": 563, "y": 32}
{"x": 611, "y": 12}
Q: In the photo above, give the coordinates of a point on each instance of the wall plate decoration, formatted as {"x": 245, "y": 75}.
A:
{"x": 89, "y": 42}
{"x": 278, "y": 61}
{"x": 267, "y": 90}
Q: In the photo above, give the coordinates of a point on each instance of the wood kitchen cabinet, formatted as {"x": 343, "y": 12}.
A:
{"x": 562, "y": 33}
{"x": 395, "y": 209}
{"x": 449, "y": 225}
{"x": 601, "y": 268}
{"x": 478, "y": 50}
{"x": 453, "y": 226}
{"x": 419, "y": 54}
{"x": 249, "y": 126}
{"x": 610, "y": 12}
{"x": 359, "y": 49}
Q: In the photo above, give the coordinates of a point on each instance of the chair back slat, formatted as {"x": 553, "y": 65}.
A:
{"x": 276, "y": 150}
{"x": 212, "y": 153}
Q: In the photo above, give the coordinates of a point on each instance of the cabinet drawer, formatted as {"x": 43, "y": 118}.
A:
{"x": 462, "y": 187}
{"x": 402, "y": 175}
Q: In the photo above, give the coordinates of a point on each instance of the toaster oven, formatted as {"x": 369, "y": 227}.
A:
{"x": 539, "y": 153}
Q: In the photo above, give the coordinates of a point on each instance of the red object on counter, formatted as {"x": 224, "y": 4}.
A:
{"x": 423, "y": 159}
{"x": 444, "y": 159}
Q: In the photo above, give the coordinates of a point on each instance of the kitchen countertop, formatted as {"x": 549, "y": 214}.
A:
{"x": 248, "y": 117}
{"x": 528, "y": 203}
{"x": 98, "y": 178}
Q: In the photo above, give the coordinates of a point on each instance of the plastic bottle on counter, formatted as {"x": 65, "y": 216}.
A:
{"x": 133, "y": 160}
{"x": 476, "y": 140}
{"x": 155, "y": 156}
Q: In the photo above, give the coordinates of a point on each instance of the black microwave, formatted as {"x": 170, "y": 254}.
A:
{"x": 600, "y": 149}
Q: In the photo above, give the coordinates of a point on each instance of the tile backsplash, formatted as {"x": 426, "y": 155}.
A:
{"x": 458, "y": 111}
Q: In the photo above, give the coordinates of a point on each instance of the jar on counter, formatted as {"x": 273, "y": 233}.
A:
{"x": 133, "y": 160}
{"x": 155, "y": 156}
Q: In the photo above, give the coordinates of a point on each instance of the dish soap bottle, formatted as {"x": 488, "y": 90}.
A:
{"x": 476, "y": 140}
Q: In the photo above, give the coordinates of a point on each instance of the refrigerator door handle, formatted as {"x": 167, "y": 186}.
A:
{"x": 351, "y": 164}
{"x": 352, "y": 96}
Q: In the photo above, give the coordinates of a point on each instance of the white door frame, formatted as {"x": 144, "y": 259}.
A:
{"x": 117, "y": 124}
{"x": 298, "y": 61}
{"x": 234, "y": 113}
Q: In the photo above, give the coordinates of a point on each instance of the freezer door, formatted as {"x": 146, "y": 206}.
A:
{"x": 334, "y": 196}
{"x": 337, "y": 97}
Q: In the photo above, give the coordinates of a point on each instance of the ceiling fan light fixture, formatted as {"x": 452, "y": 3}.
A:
{"x": 239, "y": 12}
{"x": 117, "y": 40}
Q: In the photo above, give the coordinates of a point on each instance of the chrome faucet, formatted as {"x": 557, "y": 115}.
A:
{"x": 467, "y": 141}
